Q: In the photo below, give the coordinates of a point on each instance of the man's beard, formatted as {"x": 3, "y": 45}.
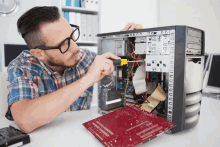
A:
{"x": 52, "y": 62}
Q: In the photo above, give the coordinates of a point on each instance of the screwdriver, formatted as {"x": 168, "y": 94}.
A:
{"x": 122, "y": 61}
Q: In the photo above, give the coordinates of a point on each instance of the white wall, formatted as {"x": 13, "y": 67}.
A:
{"x": 202, "y": 14}
{"x": 8, "y": 25}
{"x": 115, "y": 14}
{"x": 3, "y": 94}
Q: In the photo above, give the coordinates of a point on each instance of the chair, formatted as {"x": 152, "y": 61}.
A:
{"x": 3, "y": 93}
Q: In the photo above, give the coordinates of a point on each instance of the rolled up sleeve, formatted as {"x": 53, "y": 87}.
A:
{"x": 21, "y": 87}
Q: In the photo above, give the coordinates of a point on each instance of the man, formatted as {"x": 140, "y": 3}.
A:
{"x": 55, "y": 75}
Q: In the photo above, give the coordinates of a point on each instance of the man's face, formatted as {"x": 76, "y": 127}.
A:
{"x": 54, "y": 33}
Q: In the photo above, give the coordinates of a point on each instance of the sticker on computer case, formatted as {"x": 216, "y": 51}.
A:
{"x": 171, "y": 46}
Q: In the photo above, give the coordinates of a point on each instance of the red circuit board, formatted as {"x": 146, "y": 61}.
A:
{"x": 127, "y": 127}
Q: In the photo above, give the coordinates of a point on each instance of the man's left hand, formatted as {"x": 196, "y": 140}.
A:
{"x": 132, "y": 26}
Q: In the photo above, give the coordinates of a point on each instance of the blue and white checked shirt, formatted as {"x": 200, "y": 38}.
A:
{"x": 30, "y": 78}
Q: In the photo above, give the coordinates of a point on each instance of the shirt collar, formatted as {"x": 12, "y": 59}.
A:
{"x": 80, "y": 58}
{"x": 48, "y": 70}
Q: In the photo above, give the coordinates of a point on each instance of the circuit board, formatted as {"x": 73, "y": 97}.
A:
{"x": 128, "y": 126}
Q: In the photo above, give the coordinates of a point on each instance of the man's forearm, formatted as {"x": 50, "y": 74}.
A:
{"x": 44, "y": 109}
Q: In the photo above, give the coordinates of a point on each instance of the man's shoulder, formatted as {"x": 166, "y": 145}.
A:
{"x": 25, "y": 61}
{"x": 88, "y": 52}
{"x": 85, "y": 58}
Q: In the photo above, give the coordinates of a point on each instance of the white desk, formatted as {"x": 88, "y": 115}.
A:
{"x": 67, "y": 130}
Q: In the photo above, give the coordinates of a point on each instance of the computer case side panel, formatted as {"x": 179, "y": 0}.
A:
{"x": 178, "y": 91}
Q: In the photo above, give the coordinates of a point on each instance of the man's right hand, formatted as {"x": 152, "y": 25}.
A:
{"x": 101, "y": 67}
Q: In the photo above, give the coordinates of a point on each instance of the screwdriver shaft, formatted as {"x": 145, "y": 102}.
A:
{"x": 136, "y": 61}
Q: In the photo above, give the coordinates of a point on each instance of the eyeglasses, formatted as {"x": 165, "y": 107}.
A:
{"x": 65, "y": 44}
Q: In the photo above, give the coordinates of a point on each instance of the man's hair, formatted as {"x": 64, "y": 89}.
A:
{"x": 30, "y": 22}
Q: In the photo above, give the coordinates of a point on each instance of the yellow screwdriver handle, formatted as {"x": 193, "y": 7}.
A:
{"x": 124, "y": 61}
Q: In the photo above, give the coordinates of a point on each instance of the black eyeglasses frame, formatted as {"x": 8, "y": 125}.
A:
{"x": 59, "y": 47}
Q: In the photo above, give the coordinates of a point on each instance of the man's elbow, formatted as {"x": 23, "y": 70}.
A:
{"x": 28, "y": 126}
{"x": 26, "y": 130}
{"x": 25, "y": 119}
{"x": 24, "y": 126}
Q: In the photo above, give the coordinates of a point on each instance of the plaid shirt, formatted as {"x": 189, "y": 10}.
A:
{"x": 30, "y": 78}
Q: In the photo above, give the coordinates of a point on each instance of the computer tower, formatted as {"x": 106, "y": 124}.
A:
{"x": 173, "y": 57}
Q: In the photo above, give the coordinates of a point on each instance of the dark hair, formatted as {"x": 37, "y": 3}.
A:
{"x": 30, "y": 22}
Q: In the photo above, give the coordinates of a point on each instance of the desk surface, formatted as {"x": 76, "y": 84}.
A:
{"x": 67, "y": 130}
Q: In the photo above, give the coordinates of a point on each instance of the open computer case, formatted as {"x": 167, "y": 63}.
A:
{"x": 172, "y": 57}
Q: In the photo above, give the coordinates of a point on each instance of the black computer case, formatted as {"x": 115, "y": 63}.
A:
{"x": 174, "y": 57}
